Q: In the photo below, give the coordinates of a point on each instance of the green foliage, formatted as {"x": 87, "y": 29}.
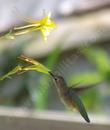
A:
{"x": 86, "y": 78}
{"x": 98, "y": 57}
{"x": 91, "y": 99}
{"x": 13, "y": 91}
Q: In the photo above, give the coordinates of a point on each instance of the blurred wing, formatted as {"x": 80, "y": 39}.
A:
{"x": 81, "y": 89}
{"x": 79, "y": 105}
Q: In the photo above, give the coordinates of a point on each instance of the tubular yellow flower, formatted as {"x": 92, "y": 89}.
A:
{"x": 44, "y": 25}
{"x": 36, "y": 66}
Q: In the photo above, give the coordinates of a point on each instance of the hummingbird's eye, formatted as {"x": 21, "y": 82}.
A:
{"x": 56, "y": 79}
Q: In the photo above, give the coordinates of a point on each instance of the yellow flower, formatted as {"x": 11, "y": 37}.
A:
{"x": 44, "y": 25}
{"x": 35, "y": 65}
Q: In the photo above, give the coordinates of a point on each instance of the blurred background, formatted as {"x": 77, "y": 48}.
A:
{"x": 78, "y": 49}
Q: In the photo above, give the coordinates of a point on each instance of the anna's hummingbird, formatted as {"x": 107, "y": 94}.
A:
{"x": 69, "y": 95}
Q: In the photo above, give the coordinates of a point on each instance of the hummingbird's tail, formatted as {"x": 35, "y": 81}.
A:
{"x": 79, "y": 105}
{"x": 82, "y": 111}
{"x": 84, "y": 115}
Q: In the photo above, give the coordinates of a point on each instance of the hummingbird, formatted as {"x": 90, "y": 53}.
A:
{"x": 70, "y": 96}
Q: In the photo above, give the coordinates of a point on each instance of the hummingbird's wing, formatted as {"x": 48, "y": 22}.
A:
{"x": 79, "y": 105}
{"x": 81, "y": 89}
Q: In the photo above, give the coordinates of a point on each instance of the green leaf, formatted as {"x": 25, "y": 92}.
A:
{"x": 98, "y": 57}
{"x": 91, "y": 99}
{"x": 86, "y": 78}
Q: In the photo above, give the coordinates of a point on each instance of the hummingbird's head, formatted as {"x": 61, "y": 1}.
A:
{"x": 58, "y": 80}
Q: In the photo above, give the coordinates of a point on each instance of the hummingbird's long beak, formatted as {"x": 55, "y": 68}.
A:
{"x": 52, "y": 74}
